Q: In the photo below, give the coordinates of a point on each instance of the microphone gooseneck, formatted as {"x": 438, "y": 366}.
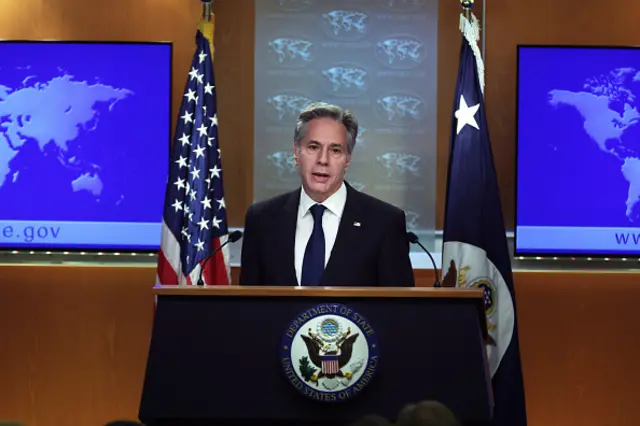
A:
{"x": 413, "y": 239}
{"x": 233, "y": 237}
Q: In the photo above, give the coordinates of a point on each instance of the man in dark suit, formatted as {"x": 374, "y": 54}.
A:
{"x": 325, "y": 233}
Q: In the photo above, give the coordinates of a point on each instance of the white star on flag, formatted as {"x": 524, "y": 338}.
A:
{"x": 179, "y": 183}
{"x": 182, "y": 162}
{"x": 206, "y": 203}
{"x": 199, "y": 151}
{"x": 191, "y": 95}
{"x": 187, "y": 117}
{"x": 465, "y": 115}
{"x": 193, "y": 73}
{"x": 204, "y": 224}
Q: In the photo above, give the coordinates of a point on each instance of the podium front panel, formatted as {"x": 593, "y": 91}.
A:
{"x": 219, "y": 358}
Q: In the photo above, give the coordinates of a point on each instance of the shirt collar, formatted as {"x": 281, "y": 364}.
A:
{"x": 335, "y": 203}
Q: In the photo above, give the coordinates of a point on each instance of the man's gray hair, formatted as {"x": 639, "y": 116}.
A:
{"x": 325, "y": 110}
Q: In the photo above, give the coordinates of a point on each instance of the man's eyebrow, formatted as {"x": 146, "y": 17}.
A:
{"x": 331, "y": 144}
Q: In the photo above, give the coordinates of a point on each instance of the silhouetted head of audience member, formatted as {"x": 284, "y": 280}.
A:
{"x": 427, "y": 413}
{"x": 371, "y": 420}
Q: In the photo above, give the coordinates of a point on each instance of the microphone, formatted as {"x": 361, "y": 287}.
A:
{"x": 413, "y": 239}
{"x": 233, "y": 237}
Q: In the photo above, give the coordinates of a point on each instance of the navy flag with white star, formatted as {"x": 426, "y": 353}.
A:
{"x": 195, "y": 219}
{"x": 475, "y": 252}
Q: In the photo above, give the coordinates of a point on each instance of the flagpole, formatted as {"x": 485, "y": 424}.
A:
{"x": 484, "y": 31}
{"x": 207, "y": 23}
{"x": 470, "y": 28}
{"x": 207, "y": 9}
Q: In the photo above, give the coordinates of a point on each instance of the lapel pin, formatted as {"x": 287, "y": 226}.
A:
{"x": 356, "y": 223}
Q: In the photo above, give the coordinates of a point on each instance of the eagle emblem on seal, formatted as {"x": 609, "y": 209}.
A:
{"x": 329, "y": 357}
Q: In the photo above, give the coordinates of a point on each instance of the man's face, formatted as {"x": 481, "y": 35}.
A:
{"x": 322, "y": 158}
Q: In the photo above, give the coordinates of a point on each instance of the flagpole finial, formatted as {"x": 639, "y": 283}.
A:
{"x": 207, "y": 10}
{"x": 467, "y": 5}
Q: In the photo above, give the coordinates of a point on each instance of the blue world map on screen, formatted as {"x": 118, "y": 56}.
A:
{"x": 84, "y": 131}
{"x": 579, "y": 137}
{"x": 54, "y": 112}
{"x": 608, "y": 109}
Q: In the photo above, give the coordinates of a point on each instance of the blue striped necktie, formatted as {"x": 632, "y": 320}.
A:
{"x": 313, "y": 263}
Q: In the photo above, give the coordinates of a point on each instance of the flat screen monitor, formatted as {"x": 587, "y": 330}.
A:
{"x": 578, "y": 151}
{"x": 84, "y": 144}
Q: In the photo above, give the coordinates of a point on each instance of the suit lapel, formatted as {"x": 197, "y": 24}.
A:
{"x": 348, "y": 235}
{"x": 287, "y": 239}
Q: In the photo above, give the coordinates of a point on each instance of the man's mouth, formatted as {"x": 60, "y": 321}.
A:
{"x": 320, "y": 177}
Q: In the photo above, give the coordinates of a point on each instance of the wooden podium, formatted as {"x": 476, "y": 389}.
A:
{"x": 234, "y": 355}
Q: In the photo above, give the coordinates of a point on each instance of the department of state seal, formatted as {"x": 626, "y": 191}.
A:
{"x": 330, "y": 353}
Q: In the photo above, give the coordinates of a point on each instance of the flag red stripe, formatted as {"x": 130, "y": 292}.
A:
{"x": 166, "y": 274}
{"x": 215, "y": 271}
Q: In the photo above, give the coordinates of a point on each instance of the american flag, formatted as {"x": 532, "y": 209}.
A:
{"x": 195, "y": 217}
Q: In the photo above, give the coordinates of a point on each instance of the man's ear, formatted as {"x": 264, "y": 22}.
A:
{"x": 295, "y": 153}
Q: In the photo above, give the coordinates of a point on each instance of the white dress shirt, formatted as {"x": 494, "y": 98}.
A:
{"x": 330, "y": 222}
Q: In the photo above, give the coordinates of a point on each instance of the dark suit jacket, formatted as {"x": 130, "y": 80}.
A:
{"x": 376, "y": 253}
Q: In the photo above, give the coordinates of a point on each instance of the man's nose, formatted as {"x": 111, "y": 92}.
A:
{"x": 323, "y": 156}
